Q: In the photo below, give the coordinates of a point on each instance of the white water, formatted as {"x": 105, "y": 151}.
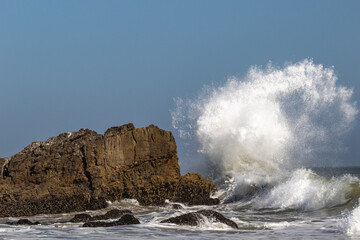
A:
{"x": 351, "y": 223}
{"x": 270, "y": 118}
{"x": 262, "y": 129}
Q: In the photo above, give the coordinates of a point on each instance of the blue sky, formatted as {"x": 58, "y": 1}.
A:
{"x": 66, "y": 65}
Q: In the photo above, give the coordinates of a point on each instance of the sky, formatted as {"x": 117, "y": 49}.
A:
{"x": 66, "y": 65}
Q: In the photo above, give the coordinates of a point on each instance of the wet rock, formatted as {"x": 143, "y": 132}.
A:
{"x": 177, "y": 206}
{"x": 126, "y": 219}
{"x": 217, "y": 217}
{"x": 195, "y": 218}
{"x": 112, "y": 214}
{"x": 82, "y": 217}
{"x": 26, "y": 222}
{"x": 78, "y": 171}
{"x": 191, "y": 219}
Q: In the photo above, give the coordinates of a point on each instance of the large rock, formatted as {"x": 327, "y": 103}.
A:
{"x": 79, "y": 171}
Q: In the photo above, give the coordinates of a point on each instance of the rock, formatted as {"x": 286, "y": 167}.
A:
{"x": 82, "y": 217}
{"x": 195, "y": 190}
{"x": 26, "y": 222}
{"x": 78, "y": 171}
{"x": 215, "y": 216}
{"x": 114, "y": 213}
{"x": 195, "y": 218}
{"x": 126, "y": 219}
{"x": 191, "y": 219}
{"x": 4, "y": 163}
{"x": 177, "y": 206}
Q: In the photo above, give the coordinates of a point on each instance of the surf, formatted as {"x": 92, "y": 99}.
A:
{"x": 261, "y": 131}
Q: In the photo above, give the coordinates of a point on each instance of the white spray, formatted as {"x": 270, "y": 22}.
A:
{"x": 271, "y": 118}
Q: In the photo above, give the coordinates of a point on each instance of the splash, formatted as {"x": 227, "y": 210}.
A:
{"x": 270, "y": 118}
{"x": 350, "y": 224}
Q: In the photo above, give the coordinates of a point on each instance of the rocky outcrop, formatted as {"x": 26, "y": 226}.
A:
{"x": 79, "y": 171}
{"x": 195, "y": 218}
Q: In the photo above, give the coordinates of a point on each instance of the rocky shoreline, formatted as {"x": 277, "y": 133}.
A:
{"x": 78, "y": 171}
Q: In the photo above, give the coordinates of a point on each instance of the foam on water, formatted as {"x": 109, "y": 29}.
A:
{"x": 350, "y": 224}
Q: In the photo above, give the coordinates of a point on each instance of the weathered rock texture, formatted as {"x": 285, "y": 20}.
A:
{"x": 77, "y": 171}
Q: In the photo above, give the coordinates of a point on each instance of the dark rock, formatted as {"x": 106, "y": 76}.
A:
{"x": 177, "y": 206}
{"x": 26, "y": 222}
{"x": 114, "y": 213}
{"x": 191, "y": 219}
{"x": 78, "y": 171}
{"x": 82, "y": 217}
{"x": 195, "y": 218}
{"x": 217, "y": 217}
{"x": 126, "y": 219}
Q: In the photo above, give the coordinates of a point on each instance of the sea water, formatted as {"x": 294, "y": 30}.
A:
{"x": 257, "y": 133}
{"x": 302, "y": 205}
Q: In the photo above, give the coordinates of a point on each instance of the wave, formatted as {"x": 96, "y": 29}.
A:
{"x": 272, "y": 118}
{"x": 259, "y": 132}
{"x": 301, "y": 189}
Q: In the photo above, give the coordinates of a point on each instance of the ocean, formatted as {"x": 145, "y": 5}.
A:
{"x": 318, "y": 203}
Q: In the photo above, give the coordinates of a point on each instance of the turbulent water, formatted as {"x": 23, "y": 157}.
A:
{"x": 258, "y": 133}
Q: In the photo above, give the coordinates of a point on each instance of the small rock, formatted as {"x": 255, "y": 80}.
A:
{"x": 177, "y": 206}
{"x": 82, "y": 217}
{"x": 26, "y": 222}
{"x": 126, "y": 219}
{"x": 114, "y": 213}
{"x": 193, "y": 219}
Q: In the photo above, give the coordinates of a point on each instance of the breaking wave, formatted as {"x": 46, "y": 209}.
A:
{"x": 259, "y": 131}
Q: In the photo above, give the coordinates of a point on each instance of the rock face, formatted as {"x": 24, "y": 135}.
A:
{"x": 79, "y": 171}
{"x": 195, "y": 218}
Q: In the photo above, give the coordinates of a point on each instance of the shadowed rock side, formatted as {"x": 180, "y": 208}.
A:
{"x": 79, "y": 171}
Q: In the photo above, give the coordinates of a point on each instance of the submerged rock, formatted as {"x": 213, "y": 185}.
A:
{"x": 78, "y": 171}
{"x": 126, "y": 219}
{"x": 195, "y": 218}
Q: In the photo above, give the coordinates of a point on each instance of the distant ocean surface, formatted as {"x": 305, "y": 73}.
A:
{"x": 318, "y": 203}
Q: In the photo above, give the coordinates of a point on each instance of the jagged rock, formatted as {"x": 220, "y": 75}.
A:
{"x": 126, "y": 219}
{"x": 195, "y": 218}
{"x": 114, "y": 213}
{"x": 78, "y": 171}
